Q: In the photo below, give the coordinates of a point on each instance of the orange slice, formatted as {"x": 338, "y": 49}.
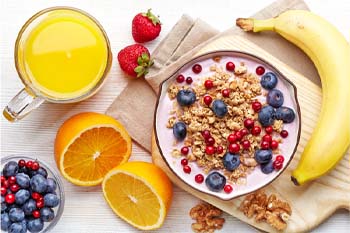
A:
{"x": 88, "y": 145}
{"x": 138, "y": 192}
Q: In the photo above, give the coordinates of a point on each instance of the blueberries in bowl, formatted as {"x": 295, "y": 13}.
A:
{"x": 179, "y": 130}
{"x": 219, "y": 108}
{"x": 10, "y": 169}
{"x": 215, "y": 181}
{"x": 38, "y": 183}
{"x": 5, "y": 221}
{"x": 275, "y": 98}
{"x": 22, "y": 196}
{"x": 266, "y": 115}
{"x": 263, "y": 156}
{"x": 285, "y": 114}
{"x": 22, "y": 180}
{"x": 269, "y": 80}
{"x": 186, "y": 97}
{"x": 35, "y": 225}
{"x": 231, "y": 161}
{"x": 51, "y": 200}
{"x": 16, "y": 214}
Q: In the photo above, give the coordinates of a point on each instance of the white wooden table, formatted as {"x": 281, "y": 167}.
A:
{"x": 85, "y": 209}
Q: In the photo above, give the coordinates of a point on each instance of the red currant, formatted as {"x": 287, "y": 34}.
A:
{"x": 269, "y": 130}
{"x": 228, "y": 188}
{"x": 40, "y": 204}
{"x": 14, "y": 188}
{"x": 274, "y": 144}
{"x": 246, "y": 144}
{"x": 265, "y": 145}
{"x": 12, "y": 180}
{"x": 36, "y": 214}
{"x": 3, "y": 191}
{"x": 10, "y": 198}
{"x": 210, "y": 141}
{"x": 244, "y": 132}
{"x": 260, "y": 70}
{"x": 277, "y": 165}
{"x": 184, "y": 150}
{"x": 284, "y": 133}
{"x": 184, "y": 162}
{"x": 208, "y": 84}
{"x": 29, "y": 164}
{"x": 256, "y": 130}
{"x": 197, "y": 68}
{"x": 207, "y": 99}
{"x": 256, "y": 105}
{"x": 189, "y": 80}
{"x": 5, "y": 184}
{"x": 219, "y": 149}
{"x": 199, "y": 178}
{"x": 180, "y": 78}
{"x": 206, "y": 134}
{"x": 280, "y": 158}
{"x": 225, "y": 93}
{"x": 239, "y": 135}
{"x": 36, "y": 196}
{"x": 267, "y": 138}
{"x": 209, "y": 150}
{"x": 248, "y": 123}
{"x": 3, "y": 179}
{"x": 35, "y": 166}
{"x": 230, "y": 66}
{"x": 232, "y": 138}
{"x": 187, "y": 169}
{"x": 234, "y": 148}
{"x": 21, "y": 163}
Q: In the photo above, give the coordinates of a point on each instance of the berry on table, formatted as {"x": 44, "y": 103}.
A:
{"x": 187, "y": 169}
{"x": 184, "y": 162}
{"x": 248, "y": 123}
{"x": 180, "y": 78}
{"x": 230, "y": 66}
{"x": 184, "y": 150}
{"x": 228, "y": 188}
{"x": 189, "y": 80}
{"x": 225, "y": 93}
{"x": 208, "y": 84}
{"x": 269, "y": 129}
{"x": 260, "y": 70}
{"x": 196, "y": 68}
{"x": 145, "y": 27}
{"x": 284, "y": 133}
{"x": 207, "y": 99}
{"x": 234, "y": 148}
{"x": 256, "y": 130}
{"x": 199, "y": 178}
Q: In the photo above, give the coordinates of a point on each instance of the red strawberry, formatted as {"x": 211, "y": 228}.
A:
{"x": 145, "y": 27}
{"x": 135, "y": 60}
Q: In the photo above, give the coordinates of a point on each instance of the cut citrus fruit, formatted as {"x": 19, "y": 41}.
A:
{"x": 88, "y": 145}
{"x": 138, "y": 192}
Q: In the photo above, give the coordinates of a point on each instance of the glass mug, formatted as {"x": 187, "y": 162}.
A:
{"x": 62, "y": 55}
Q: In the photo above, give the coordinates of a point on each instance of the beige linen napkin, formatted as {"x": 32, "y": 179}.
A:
{"x": 185, "y": 39}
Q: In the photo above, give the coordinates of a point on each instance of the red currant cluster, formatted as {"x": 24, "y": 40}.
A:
{"x": 196, "y": 69}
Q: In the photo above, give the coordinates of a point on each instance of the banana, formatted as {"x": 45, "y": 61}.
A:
{"x": 330, "y": 52}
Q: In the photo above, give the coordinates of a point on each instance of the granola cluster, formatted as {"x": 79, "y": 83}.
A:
{"x": 207, "y": 218}
{"x": 265, "y": 208}
{"x": 244, "y": 89}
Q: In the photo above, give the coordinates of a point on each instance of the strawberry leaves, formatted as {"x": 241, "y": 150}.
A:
{"x": 144, "y": 62}
{"x": 155, "y": 20}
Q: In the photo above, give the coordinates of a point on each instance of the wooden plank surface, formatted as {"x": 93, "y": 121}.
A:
{"x": 85, "y": 209}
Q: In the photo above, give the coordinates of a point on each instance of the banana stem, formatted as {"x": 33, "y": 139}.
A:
{"x": 255, "y": 25}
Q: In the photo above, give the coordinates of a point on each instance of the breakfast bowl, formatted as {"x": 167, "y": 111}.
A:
{"x": 40, "y": 200}
{"x": 227, "y": 123}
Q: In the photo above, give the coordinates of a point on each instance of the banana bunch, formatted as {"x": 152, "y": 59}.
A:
{"x": 330, "y": 52}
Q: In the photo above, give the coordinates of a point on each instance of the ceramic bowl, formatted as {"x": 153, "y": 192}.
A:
{"x": 165, "y": 139}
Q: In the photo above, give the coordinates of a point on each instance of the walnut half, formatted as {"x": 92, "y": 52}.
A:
{"x": 207, "y": 218}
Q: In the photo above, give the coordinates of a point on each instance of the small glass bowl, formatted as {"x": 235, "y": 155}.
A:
{"x": 52, "y": 173}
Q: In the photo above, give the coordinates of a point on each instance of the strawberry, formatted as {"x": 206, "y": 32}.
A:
{"x": 135, "y": 60}
{"x": 145, "y": 27}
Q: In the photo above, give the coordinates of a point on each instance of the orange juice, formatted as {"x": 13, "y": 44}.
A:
{"x": 65, "y": 55}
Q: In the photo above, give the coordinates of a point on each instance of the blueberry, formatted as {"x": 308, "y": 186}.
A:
{"x": 5, "y": 221}
{"x": 266, "y": 115}
{"x": 3, "y": 207}
{"x": 24, "y": 170}
{"x": 186, "y": 97}
{"x": 285, "y": 114}
{"x": 263, "y": 156}
{"x": 10, "y": 169}
{"x": 17, "y": 228}
{"x": 35, "y": 225}
{"x": 51, "y": 200}
{"x": 275, "y": 98}
{"x": 269, "y": 80}
{"x": 23, "y": 180}
{"x": 38, "y": 183}
{"x": 22, "y": 196}
{"x": 179, "y": 130}
{"x": 267, "y": 168}
{"x": 42, "y": 171}
{"x": 51, "y": 185}
{"x": 231, "y": 161}
{"x": 47, "y": 214}
{"x": 29, "y": 207}
{"x": 16, "y": 214}
{"x": 24, "y": 225}
{"x": 215, "y": 181}
{"x": 219, "y": 108}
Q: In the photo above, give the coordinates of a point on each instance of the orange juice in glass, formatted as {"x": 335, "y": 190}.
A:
{"x": 62, "y": 55}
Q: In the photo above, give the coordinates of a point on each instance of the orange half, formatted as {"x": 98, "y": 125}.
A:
{"x": 88, "y": 145}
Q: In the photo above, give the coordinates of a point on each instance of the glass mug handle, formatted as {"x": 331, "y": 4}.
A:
{"x": 21, "y": 105}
